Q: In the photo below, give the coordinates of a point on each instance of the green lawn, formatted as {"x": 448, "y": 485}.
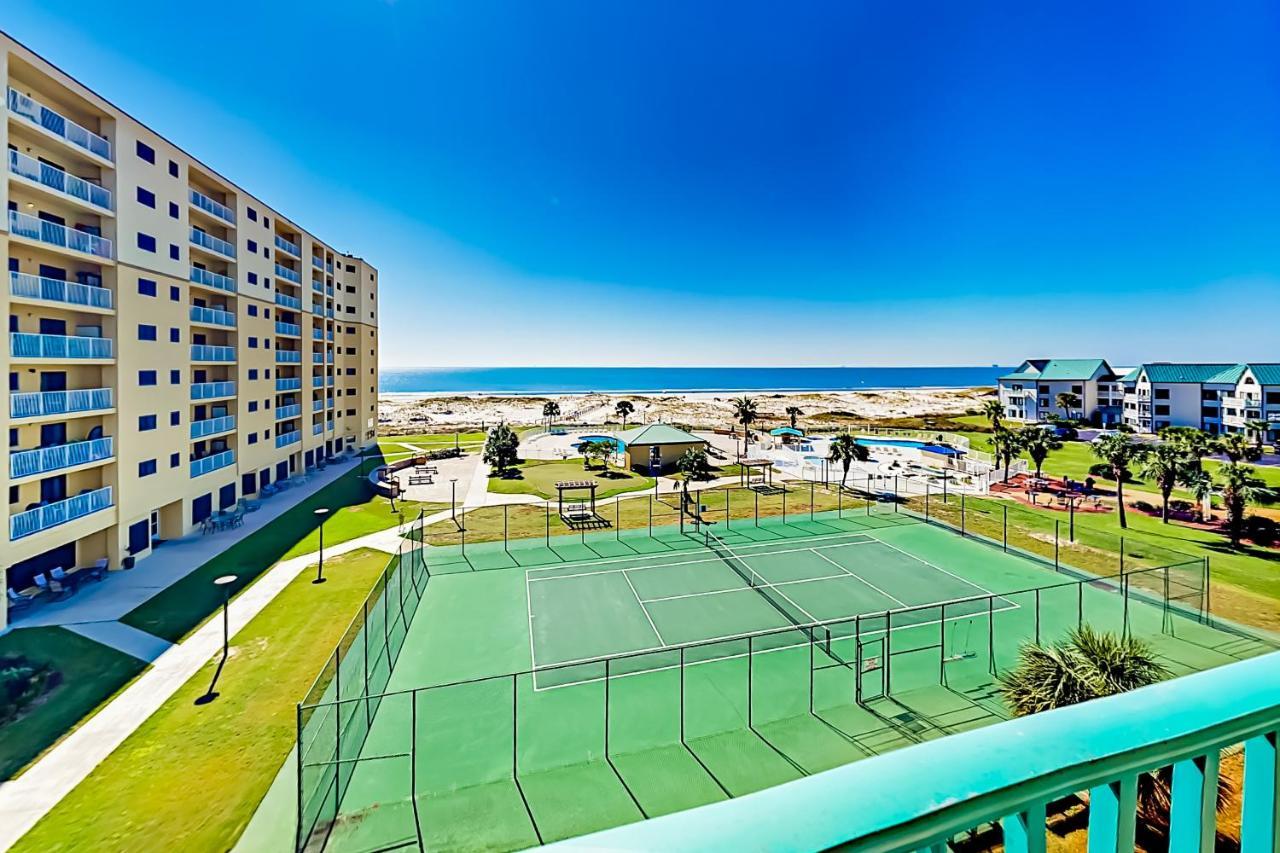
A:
{"x": 356, "y": 511}
{"x": 539, "y": 476}
{"x": 191, "y": 776}
{"x": 91, "y": 672}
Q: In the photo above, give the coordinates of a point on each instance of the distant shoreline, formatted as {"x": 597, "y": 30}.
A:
{"x": 671, "y": 392}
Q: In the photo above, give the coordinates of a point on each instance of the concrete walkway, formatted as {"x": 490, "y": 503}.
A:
{"x": 123, "y": 638}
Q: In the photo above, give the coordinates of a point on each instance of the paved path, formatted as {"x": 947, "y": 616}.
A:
{"x": 25, "y": 800}
{"x": 124, "y": 638}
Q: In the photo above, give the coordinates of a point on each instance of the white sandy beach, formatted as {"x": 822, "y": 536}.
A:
{"x": 415, "y": 412}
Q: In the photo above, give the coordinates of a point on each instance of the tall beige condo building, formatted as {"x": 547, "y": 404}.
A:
{"x": 175, "y": 344}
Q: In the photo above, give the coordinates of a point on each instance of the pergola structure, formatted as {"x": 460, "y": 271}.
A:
{"x": 754, "y": 472}
{"x": 576, "y": 511}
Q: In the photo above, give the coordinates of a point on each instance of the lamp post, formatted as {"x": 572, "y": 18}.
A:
{"x": 320, "y": 514}
{"x": 224, "y": 582}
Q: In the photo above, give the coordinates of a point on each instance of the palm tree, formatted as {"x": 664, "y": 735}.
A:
{"x": 1166, "y": 464}
{"x": 1119, "y": 451}
{"x": 845, "y": 449}
{"x": 1237, "y": 447}
{"x": 1239, "y": 489}
{"x": 993, "y": 411}
{"x": 1195, "y": 444}
{"x": 624, "y": 408}
{"x": 1258, "y": 429}
{"x": 1067, "y": 401}
{"x": 745, "y": 413}
{"x": 1091, "y": 664}
{"x": 1037, "y": 442}
{"x": 550, "y": 409}
{"x": 1004, "y": 448}
{"x": 793, "y": 412}
{"x": 1201, "y": 485}
{"x": 693, "y": 465}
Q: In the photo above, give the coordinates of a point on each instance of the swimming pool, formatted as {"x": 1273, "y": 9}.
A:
{"x": 909, "y": 443}
{"x": 607, "y": 439}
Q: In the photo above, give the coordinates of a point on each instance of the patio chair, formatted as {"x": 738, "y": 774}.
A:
{"x": 249, "y": 506}
{"x": 98, "y": 570}
{"x": 237, "y": 518}
{"x": 18, "y": 600}
{"x": 52, "y": 587}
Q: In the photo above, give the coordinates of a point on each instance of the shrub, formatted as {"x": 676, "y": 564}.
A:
{"x": 1103, "y": 470}
{"x": 1144, "y": 506}
{"x": 1261, "y": 530}
{"x": 22, "y": 683}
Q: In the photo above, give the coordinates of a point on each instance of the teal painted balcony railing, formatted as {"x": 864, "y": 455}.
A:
{"x": 288, "y": 246}
{"x": 212, "y": 243}
{"x": 213, "y": 208}
{"x": 208, "y": 352}
{"x": 58, "y": 180}
{"x": 285, "y": 356}
{"x": 206, "y": 464}
{"x": 59, "y": 512}
{"x": 290, "y": 383}
{"x": 37, "y": 404}
{"x": 289, "y": 301}
{"x": 291, "y": 329}
{"x": 287, "y": 438}
{"x": 59, "y": 125}
{"x": 288, "y": 274}
{"x": 42, "y": 460}
{"x": 920, "y": 797}
{"x": 212, "y": 317}
{"x": 213, "y": 279}
{"x": 53, "y": 234}
{"x": 27, "y": 345}
{"x": 27, "y": 286}
{"x": 213, "y": 426}
{"x": 212, "y": 390}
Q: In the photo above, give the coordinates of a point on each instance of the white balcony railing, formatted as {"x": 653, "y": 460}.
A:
{"x": 288, "y": 274}
{"x": 37, "y": 404}
{"x": 27, "y": 286}
{"x": 286, "y": 438}
{"x": 284, "y": 413}
{"x": 213, "y": 279}
{"x": 213, "y": 426}
{"x": 42, "y": 460}
{"x": 289, "y": 301}
{"x": 212, "y": 243}
{"x": 293, "y": 329}
{"x": 290, "y": 383}
{"x": 58, "y": 180}
{"x": 213, "y": 208}
{"x": 53, "y": 234}
{"x": 26, "y": 345}
{"x": 212, "y": 463}
{"x": 207, "y": 352}
{"x": 212, "y": 316}
{"x": 212, "y": 390}
{"x": 58, "y": 124}
{"x": 288, "y": 246}
{"x": 59, "y": 512}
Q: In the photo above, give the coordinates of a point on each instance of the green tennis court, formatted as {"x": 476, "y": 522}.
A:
{"x": 541, "y": 689}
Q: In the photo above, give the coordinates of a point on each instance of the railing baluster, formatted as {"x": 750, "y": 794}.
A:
{"x": 1194, "y": 811}
{"x": 1113, "y": 816}
{"x": 1260, "y": 797}
{"x": 1024, "y": 832}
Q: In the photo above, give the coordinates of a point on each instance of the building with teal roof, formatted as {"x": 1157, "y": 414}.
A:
{"x": 1035, "y": 390}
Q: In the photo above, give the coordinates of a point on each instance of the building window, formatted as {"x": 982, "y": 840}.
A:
{"x": 146, "y": 423}
{"x": 175, "y": 293}
{"x": 146, "y": 333}
{"x": 253, "y": 278}
{"x": 146, "y": 197}
{"x": 175, "y": 336}
{"x": 173, "y": 210}
{"x": 147, "y": 468}
{"x": 146, "y": 377}
{"x": 251, "y": 213}
{"x": 146, "y": 152}
{"x": 253, "y": 310}
{"x": 1160, "y": 393}
{"x": 173, "y": 168}
{"x": 146, "y": 242}
{"x": 146, "y": 287}
{"x": 253, "y": 343}
{"x": 253, "y": 405}
{"x": 175, "y": 459}
{"x": 175, "y": 418}
{"x": 175, "y": 377}
{"x": 253, "y": 246}
{"x": 253, "y": 373}
{"x": 174, "y": 252}
{"x": 253, "y": 438}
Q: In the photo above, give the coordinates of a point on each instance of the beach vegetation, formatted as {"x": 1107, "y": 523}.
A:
{"x": 502, "y": 449}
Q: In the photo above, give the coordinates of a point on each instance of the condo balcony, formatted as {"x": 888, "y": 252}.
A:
{"x": 213, "y": 279}
{"x": 317, "y": 358}
{"x": 52, "y": 178}
{"x": 317, "y": 405}
{"x": 328, "y": 267}
{"x": 317, "y": 308}
{"x": 44, "y": 460}
{"x": 317, "y": 334}
{"x": 213, "y": 390}
{"x": 317, "y": 429}
{"x": 317, "y": 286}
{"x": 59, "y": 347}
{"x": 328, "y": 403}
{"x": 60, "y": 236}
{"x": 288, "y": 274}
{"x": 213, "y": 244}
{"x": 284, "y": 413}
{"x": 286, "y": 438}
{"x": 213, "y": 426}
{"x": 53, "y": 514}
{"x": 27, "y": 286}
{"x": 56, "y": 124}
{"x": 317, "y": 262}
{"x": 212, "y": 462}
{"x": 39, "y": 404}
{"x": 291, "y": 383}
{"x": 288, "y": 301}
{"x": 213, "y": 208}
{"x": 207, "y": 352}
{"x": 212, "y": 317}
{"x": 290, "y": 329}
{"x": 284, "y": 356}
{"x": 288, "y": 246}
{"x": 317, "y": 381}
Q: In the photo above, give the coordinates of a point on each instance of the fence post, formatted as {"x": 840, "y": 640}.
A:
{"x": 962, "y": 520}
{"x": 784, "y": 503}
{"x": 617, "y": 518}
{"x": 1004, "y": 528}
{"x": 811, "y": 500}
{"x": 1122, "y": 556}
{"x": 364, "y": 635}
{"x": 504, "y": 527}
{"x": 297, "y": 823}
{"x": 1056, "y": 525}
{"x": 926, "y": 500}
{"x": 726, "y": 510}
{"x": 650, "y": 516}
{"x": 895, "y": 493}
{"x": 757, "y": 494}
{"x": 840, "y": 502}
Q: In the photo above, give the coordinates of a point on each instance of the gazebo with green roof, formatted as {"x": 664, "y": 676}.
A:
{"x": 654, "y": 448}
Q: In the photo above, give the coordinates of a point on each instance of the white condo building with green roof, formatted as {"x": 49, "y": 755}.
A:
{"x": 1031, "y": 392}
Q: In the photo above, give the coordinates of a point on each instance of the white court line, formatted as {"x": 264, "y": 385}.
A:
{"x": 683, "y": 562}
{"x": 644, "y": 609}
{"x": 981, "y": 589}
{"x": 743, "y": 588}
{"x": 859, "y": 577}
{"x": 528, "y": 603}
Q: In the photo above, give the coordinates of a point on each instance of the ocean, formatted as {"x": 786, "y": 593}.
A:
{"x": 578, "y": 380}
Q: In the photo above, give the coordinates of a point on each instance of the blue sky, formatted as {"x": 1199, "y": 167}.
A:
{"x": 739, "y": 184}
